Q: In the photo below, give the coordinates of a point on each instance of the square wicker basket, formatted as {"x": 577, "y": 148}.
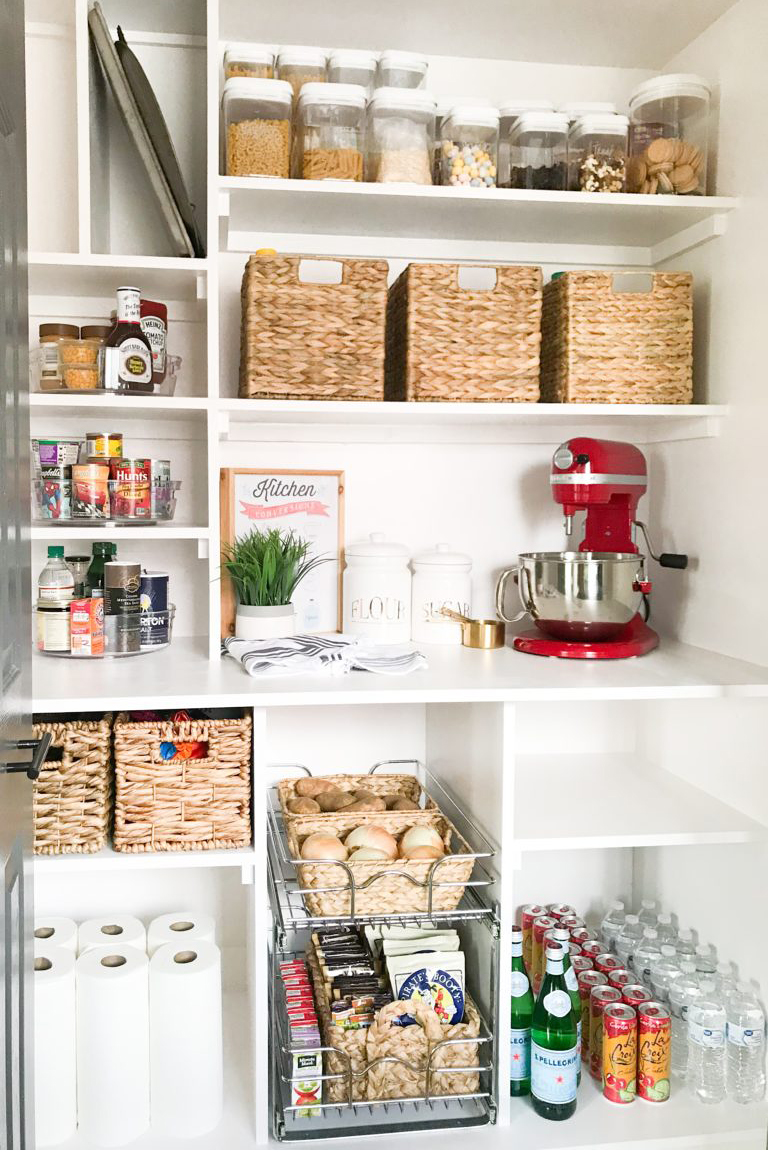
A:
{"x": 164, "y": 805}
{"x": 308, "y": 341}
{"x": 446, "y": 342}
{"x": 72, "y": 797}
{"x": 600, "y": 346}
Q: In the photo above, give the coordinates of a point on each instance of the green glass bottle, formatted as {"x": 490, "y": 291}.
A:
{"x": 103, "y": 551}
{"x": 520, "y": 1020}
{"x": 554, "y": 1051}
{"x": 563, "y": 937}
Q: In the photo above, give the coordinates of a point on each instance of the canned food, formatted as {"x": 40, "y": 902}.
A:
{"x": 635, "y": 994}
{"x": 560, "y": 910}
{"x": 155, "y": 628}
{"x": 580, "y": 936}
{"x": 107, "y": 445}
{"x": 619, "y": 1053}
{"x": 607, "y": 962}
{"x": 620, "y": 977}
{"x": 587, "y": 980}
{"x": 653, "y": 1051}
{"x": 153, "y": 591}
{"x": 53, "y": 625}
{"x": 90, "y": 494}
{"x": 541, "y": 925}
{"x": 55, "y": 487}
{"x": 122, "y": 580}
{"x": 58, "y": 451}
{"x": 131, "y": 483}
{"x": 593, "y": 948}
{"x": 122, "y": 634}
{"x": 528, "y": 914}
{"x": 581, "y": 963}
{"x": 600, "y": 997}
{"x": 87, "y": 626}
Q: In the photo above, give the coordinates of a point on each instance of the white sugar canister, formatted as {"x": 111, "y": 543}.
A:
{"x": 377, "y": 590}
{"x": 441, "y": 579}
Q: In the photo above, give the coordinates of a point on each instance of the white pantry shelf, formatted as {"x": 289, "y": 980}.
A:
{"x": 103, "y": 528}
{"x": 107, "y": 860}
{"x": 413, "y": 221}
{"x": 182, "y": 676}
{"x": 94, "y": 274}
{"x": 377, "y": 421}
{"x": 58, "y": 404}
{"x": 563, "y": 801}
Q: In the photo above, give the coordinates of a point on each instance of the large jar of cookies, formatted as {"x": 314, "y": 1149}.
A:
{"x": 329, "y": 136}
{"x": 668, "y": 136}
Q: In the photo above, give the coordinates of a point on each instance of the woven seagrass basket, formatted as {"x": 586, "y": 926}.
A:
{"x": 601, "y": 346}
{"x": 305, "y": 341}
{"x": 72, "y": 797}
{"x": 381, "y": 887}
{"x": 406, "y": 786}
{"x": 349, "y": 1062}
{"x": 182, "y": 805}
{"x": 445, "y": 342}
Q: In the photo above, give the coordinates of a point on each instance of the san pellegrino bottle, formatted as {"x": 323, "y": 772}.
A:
{"x": 554, "y": 1050}
{"x": 520, "y": 1020}
{"x": 562, "y": 936}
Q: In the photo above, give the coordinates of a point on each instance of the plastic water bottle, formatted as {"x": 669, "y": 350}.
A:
{"x": 612, "y": 923}
{"x": 745, "y": 1034}
{"x": 56, "y": 581}
{"x": 706, "y": 1046}
{"x": 645, "y": 953}
{"x": 682, "y": 992}
{"x": 647, "y": 913}
{"x": 628, "y": 939}
{"x": 663, "y": 971}
{"x": 685, "y": 944}
{"x": 706, "y": 959}
{"x": 725, "y": 979}
{"x": 665, "y": 928}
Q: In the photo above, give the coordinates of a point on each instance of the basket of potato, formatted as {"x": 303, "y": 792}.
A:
{"x": 389, "y": 869}
{"x": 371, "y": 797}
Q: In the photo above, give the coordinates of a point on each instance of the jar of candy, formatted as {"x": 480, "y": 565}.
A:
{"x": 469, "y": 138}
{"x": 597, "y": 153}
{"x": 669, "y": 118}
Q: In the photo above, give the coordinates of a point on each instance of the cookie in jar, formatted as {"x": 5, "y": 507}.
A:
{"x": 668, "y": 136}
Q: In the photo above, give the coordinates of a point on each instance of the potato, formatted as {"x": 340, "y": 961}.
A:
{"x": 373, "y": 805}
{"x": 333, "y": 801}
{"x": 403, "y": 805}
{"x": 364, "y": 794}
{"x": 303, "y": 806}
{"x": 391, "y": 799}
{"x": 311, "y": 785}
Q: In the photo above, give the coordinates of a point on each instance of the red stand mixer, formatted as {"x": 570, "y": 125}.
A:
{"x": 586, "y": 603}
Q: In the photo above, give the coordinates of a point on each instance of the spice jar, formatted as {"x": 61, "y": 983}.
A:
{"x": 329, "y": 132}
{"x": 301, "y": 66}
{"x": 53, "y": 625}
{"x": 402, "y": 70}
{"x": 257, "y": 116}
{"x": 668, "y": 138}
{"x": 597, "y": 153}
{"x": 51, "y": 336}
{"x": 377, "y": 590}
{"x": 401, "y": 126}
{"x": 538, "y": 152}
{"x": 469, "y": 137}
{"x": 508, "y": 115}
{"x": 350, "y": 66}
{"x": 441, "y": 579}
{"x": 256, "y": 61}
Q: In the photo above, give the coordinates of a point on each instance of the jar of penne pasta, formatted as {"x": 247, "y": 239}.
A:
{"x": 329, "y": 132}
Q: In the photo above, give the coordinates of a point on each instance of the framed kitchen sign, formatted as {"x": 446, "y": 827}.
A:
{"x": 310, "y": 503}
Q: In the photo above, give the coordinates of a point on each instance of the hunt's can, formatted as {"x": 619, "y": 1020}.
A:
{"x": 105, "y": 445}
{"x": 653, "y": 1051}
{"x": 619, "y": 1053}
{"x": 620, "y": 977}
{"x": 131, "y": 487}
{"x": 153, "y": 591}
{"x": 593, "y": 948}
{"x": 581, "y": 964}
{"x": 580, "y": 936}
{"x": 528, "y": 913}
{"x": 541, "y": 925}
{"x": 122, "y": 634}
{"x": 122, "y": 581}
{"x": 560, "y": 910}
{"x": 587, "y": 981}
{"x": 636, "y": 994}
{"x": 87, "y": 626}
{"x": 606, "y": 962}
{"x": 599, "y": 998}
{"x": 90, "y": 494}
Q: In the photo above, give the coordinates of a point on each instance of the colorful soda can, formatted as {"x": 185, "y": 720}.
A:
{"x": 580, "y": 936}
{"x": 620, "y": 977}
{"x": 575, "y": 949}
{"x": 581, "y": 963}
{"x": 636, "y": 994}
{"x": 560, "y": 910}
{"x": 571, "y": 922}
{"x": 541, "y": 925}
{"x": 593, "y": 948}
{"x": 653, "y": 1051}
{"x": 599, "y": 997}
{"x": 587, "y": 981}
{"x": 619, "y": 1053}
{"x": 607, "y": 962}
{"x": 528, "y": 914}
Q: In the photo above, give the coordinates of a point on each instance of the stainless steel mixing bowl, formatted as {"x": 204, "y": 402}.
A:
{"x": 586, "y": 596}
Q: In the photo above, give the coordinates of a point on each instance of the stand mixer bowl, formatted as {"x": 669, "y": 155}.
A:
{"x": 587, "y": 596}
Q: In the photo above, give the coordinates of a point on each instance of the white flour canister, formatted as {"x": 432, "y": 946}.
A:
{"x": 377, "y": 590}
{"x": 441, "y": 579}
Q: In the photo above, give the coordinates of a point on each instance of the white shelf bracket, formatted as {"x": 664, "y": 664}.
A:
{"x": 224, "y": 203}
{"x": 203, "y": 547}
{"x": 201, "y": 286}
{"x": 247, "y": 874}
{"x": 224, "y": 426}
{"x": 689, "y": 238}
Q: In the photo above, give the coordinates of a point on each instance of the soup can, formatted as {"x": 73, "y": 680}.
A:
{"x": 653, "y": 1051}
{"x": 619, "y": 1053}
{"x": 527, "y": 916}
{"x": 105, "y": 445}
{"x": 55, "y": 488}
{"x": 90, "y": 493}
{"x": 599, "y": 997}
{"x": 61, "y": 451}
{"x": 122, "y": 633}
{"x": 122, "y": 583}
{"x": 131, "y": 487}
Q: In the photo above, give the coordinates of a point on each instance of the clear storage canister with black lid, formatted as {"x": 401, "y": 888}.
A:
{"x": 538, "y": 152}
{"x": 329, "y": 132}
{"x": 669, "y": 118}
{"x": 257, "y": 122}
{"x": 400, "y": 136}
{"x": 597, "y": 153}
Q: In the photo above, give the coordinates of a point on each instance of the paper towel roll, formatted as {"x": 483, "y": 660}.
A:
{"x": 186, "y": 1038}
{"x": 55, "y": 1045}
{"x": 115, "y": 932}
{"x": 56, "y": 932}
{"x": 112, "y": 1045}
{"x": 178, "y": 928}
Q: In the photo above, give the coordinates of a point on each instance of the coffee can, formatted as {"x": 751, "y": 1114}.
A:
{"x": 599, "y": 997}
{"x": 122, "y": 633}
{"x": 153, "y": 591}
{"x": 636, "y": 994}
{"x": 619, "y": 1053}
{"x": 653, "y": 1051}
{"x": 122, "y": 581}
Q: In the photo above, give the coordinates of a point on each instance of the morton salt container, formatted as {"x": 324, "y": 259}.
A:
{"x": 377, "y": 590}
{"x": 441, "y": 579}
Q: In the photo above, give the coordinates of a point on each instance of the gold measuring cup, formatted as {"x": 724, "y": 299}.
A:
{"x": 478, "y": 633}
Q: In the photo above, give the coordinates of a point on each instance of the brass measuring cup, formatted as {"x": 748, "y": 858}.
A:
{"x": 478, "y": 633}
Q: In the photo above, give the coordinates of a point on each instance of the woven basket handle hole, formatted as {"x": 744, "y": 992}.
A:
{"x": 320, "y": 272}
{"x": 476, "y": 278}
{"x": 632, "y": 283}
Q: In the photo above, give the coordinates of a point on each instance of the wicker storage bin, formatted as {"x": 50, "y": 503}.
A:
{"x": 349, "y": 1041}
{"x": 72, "y": 797}
{"x": 417, "y": 1047}
{"x": 600, "y": 346}
{"x": 302, "y": 341}
{"x": 182, "y": 805}
{"x": 394, "y": 889}
{"x": 406, "y": 786}
{"x": 445, "y": 342}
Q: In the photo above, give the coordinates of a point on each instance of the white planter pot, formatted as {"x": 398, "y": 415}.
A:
{"x": 256, "y": 622}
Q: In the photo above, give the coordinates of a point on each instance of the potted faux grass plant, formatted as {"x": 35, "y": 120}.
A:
{"x": 266, "y": 567}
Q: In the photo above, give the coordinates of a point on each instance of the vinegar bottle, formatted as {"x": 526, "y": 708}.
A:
{"x": 520, "y": 1020}
{"x": 56, "y": 581}
{"x": 554, "y": 1047}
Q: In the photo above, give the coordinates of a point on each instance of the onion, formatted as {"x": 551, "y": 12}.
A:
{"x": 372, "y": 836}
{"x": 320, "y": 846}
{"x": 420, "y": 835}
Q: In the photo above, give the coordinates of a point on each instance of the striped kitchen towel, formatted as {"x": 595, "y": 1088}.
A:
{"x": 330, "y": 655}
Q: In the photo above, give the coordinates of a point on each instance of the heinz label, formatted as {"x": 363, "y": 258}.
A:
{"x": 553, "y": 1074}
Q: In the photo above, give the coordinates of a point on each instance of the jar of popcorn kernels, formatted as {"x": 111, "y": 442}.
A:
{"x": 597, "y": 153}
{"x": 469, "y": 139}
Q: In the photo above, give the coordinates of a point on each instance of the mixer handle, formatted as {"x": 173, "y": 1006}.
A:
{"x": 665, "y": 559}
{"x": 501, "y": 589}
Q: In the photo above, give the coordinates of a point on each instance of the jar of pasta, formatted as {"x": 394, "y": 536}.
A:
{"x": 401, "y": 128}
{"x": 257, "y": 119}
{"x": 300, "y": 66}
{"x": 255, "y": 61}
{"x": 352, "y": 66}
{"x": 329, "y": 132}
{"x": 402, "y": 70}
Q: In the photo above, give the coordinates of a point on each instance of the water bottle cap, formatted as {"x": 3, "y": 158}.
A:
{"x": 669, "y": 950}
{"x": 648, "y": 903}
{"x": 725, "y": 968}
{"x": 685, "y": 934}
{"x": 707, "y": 986}
{"x": 664, "y": 918}
{"x": 632, "y": 919}
{"x": 688, "y": 967}
{"x": 650, "y": 933}
{"x": 704, "y": 950}
{"x": 617, "y": 905}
